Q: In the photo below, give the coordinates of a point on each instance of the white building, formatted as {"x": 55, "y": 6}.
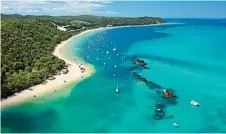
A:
{"x": 109, "y": 25}
{"x": 61, "y": 28}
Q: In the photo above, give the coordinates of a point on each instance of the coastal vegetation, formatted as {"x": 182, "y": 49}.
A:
{"x": 27, "y": 43}
{"x": 27, "y": 58}
{"x": 90, "y": 21}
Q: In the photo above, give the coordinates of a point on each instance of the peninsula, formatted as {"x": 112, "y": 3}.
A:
{"x": 32, "y": 59}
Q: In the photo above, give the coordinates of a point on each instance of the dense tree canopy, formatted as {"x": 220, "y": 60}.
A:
{"x": 27, "y": 43}
{"x": 26, "y": 53}
{"x": 90, "y": 20}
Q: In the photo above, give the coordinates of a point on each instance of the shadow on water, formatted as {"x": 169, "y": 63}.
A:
{"x": 192, "y": 64}
{"x": 93, "y": 105}
{"x": 28, "y": 122}
{"x": 99, "y": 103}
{"x": 215, "y": 118}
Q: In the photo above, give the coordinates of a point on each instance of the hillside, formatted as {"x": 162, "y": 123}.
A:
{"x": 92, "y": 21}
{"x": 28, "y": 42}
{"x": 26, "y": 47}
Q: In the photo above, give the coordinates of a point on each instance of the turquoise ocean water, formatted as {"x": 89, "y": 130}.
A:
{"x": 190, "y": 58}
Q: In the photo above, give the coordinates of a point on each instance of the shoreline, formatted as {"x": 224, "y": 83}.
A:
{"x": 74, "y": 74}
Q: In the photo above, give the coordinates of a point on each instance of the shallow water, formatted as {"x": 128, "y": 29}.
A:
{"x": 189, "y": 58}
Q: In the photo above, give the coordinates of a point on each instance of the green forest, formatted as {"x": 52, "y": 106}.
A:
{"x": 94, "y": 21}
{"x": 26, "y": 53}
{"x": 27, "y": 43}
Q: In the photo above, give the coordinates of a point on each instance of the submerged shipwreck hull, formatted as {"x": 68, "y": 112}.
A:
{"x": 165, "y": 95}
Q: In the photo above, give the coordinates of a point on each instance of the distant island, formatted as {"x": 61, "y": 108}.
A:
{"x": 28, "y": 42}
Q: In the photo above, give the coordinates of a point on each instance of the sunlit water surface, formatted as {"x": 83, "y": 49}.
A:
{"x": 190, "y": 58}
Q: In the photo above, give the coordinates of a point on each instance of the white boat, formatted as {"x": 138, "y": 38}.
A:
{"x": 194, "y": 103}
{"x": 114, "y": 49}
{"x": 98, "y": 57}
{"x": 175, "y": 124}
{"x": 159, "y": 109}
{"x": 117, "y": 89}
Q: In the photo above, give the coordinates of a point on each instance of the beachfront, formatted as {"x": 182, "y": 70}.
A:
{"x": 74, "y": 75}
{"x": 103, "y": 67}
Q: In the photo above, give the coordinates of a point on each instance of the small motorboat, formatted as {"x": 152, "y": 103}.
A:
{"x": 117, "y": 89}
{"x": 194, "y": 103}
{"x": 159, "y": 110}
{"x": 114, "y": 49}
{"x": 175, "y": 124}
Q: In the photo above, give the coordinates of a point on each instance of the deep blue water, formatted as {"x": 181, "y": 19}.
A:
{"x": 190, "y": 58}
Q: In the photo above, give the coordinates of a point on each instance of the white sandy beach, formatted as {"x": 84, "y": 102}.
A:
{"x": 73, "y": 76}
